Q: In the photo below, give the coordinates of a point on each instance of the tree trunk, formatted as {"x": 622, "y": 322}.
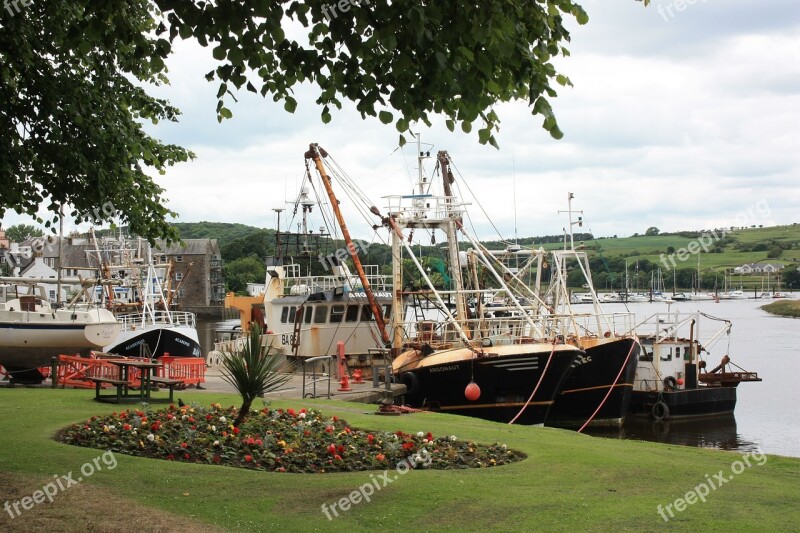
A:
{"x": 243, "y": 412}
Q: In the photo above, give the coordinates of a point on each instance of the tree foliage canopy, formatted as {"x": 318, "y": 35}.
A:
{"x": 72, "y": 76}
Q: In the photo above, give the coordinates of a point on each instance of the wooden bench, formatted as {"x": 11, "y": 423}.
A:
{"x": 167, "y": 382}
{"x": 110, "y": 398}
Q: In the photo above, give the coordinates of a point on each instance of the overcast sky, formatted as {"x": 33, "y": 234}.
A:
{"x": 678, "y": 119}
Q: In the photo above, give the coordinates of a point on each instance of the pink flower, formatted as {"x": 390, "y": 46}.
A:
{"x": 248, "y": 457}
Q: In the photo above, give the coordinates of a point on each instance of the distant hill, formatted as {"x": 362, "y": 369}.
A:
{"x": 224, "y": 232}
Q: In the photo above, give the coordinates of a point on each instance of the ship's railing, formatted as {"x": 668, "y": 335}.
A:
{"x": 515, "y": 329}
{"x": 175, "y": 318}
{"x": 425, "y": 206}
{"x": 296, "y": 284}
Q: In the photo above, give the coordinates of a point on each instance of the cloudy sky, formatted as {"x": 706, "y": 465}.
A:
{"x": 680, "y": 119}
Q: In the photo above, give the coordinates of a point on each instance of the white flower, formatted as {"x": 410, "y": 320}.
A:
{"x": 301, "y": 415}
{"x": 213, "y": 428}
{"x": 505, "y": 447}
{"x": 453, "y": 438}
{"x": 222, "y": 419}
{"x": 216, "y": 443}
{"x": 424, "y": 441}
{"x": 420, "y": 434}
{"x": 151, "y": 437}
{"x": 185, "y": 417}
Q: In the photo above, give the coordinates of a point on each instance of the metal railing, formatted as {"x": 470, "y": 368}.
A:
{"x": 175, "y": 318}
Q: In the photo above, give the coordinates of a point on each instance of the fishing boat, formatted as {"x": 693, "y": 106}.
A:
{"x": 597, "y": 392}
{"x": 496, "y": 363}
{"x": 312, "y": 300}
{"x": 672, "y": 378}
{"x": 150, "y": 325}
{"x": 32, "y": 331}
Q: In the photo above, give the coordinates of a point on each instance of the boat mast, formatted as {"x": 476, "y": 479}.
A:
{"x": 452, "y": 241}
{"x": 316, "y": 153}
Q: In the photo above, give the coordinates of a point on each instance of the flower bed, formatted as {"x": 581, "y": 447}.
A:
{"x": 276, "y": 440}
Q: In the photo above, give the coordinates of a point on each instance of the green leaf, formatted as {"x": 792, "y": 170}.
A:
{"x": 466, "y": 126}
{"x": 225, "y": 112}
{"x": 385, "y": 117}
{"x": 218, "y": 53}
{"x": 451, "y": 125}
{"x": 290, "y": 104}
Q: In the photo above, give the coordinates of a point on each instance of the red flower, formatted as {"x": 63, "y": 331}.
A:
{"x": 281, "y": 469}
{"x": 408, "y": 445}
{"x": 329, "y": 429}
{"x": 170, "y": 457}
{"x": 290, "y": 411}
{"x": 126, "y": 427}
{"x": 224, "y": 433}
{"x": 429, "y": 436}
{"x": 306, "y": 432}
{"x": 380, "y": 457}
{"x": 335, "y": 418}
{"x": 259, "y": 442}
{"x": 193, "y": 427}
{"x": 303, "y": 410}
{"x": 340, "y": 448}
{"x": 217, "y": 458}
{"x": 370, "y": 438}
{"x": 248, "y": 457}
{"x": 191, "y": 419}
{"x": 184, "y": 445}
{"x": 337, "y": 458}
{"x": 250, "y": 440}
{"x": 235, "y": 431}
{"x": 332, "y": 449}
{"x": 209, "y": 417}
{"x": 186, "y": 456}
{"x": 155, "y": 426}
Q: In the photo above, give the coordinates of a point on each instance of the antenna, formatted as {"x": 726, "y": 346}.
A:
{"x": 578, "y": 222}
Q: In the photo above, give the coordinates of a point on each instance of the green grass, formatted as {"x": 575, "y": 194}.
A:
{"x": 789, "y": 308}
{"x": 568, "y": 482}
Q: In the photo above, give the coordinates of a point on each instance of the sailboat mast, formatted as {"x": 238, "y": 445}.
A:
{"x": 316, "y": 153}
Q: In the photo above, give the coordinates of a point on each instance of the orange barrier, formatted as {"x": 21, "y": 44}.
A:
{"x": 75, "y": 371}
{"x": 189, "y": 370}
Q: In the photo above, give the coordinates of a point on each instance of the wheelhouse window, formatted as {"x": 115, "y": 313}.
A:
{"x": 284, "y": 314}
{"x": 352, "y": 313}
{"x": 667, "y": 355}
{"x": 309, "y": 314}
{"x": 366, "y": 313}
{"x": 387, "y": 311}
{"x": 292, "y": 314}
{"x": 321, "y": 314}
{"x": 337, "y": 312}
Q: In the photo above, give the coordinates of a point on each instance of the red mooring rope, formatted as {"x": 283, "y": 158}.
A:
{"x": 537, "y": 385}
{"x": 624, "y": 364}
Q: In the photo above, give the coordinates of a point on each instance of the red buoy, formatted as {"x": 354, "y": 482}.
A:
{"x": 680, "y": 381}
{"x": 472, "y": 392}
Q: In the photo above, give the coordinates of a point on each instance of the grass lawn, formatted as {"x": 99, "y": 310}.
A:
{"x": 568, "y": 482}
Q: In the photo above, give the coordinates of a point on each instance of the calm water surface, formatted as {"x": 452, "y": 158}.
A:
{"x": 767, "y": 413}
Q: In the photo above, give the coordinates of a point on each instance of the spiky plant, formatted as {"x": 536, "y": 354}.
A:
{"x": 253, "y": 371}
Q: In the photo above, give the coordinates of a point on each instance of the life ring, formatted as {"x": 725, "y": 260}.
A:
{"x": 411, "y": 381}
{"x": 660, "y": 410}
{"x": 670, "y": 383}
{"x": 607, "y": 334}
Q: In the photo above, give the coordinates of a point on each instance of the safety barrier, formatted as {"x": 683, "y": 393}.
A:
{"x": 76, "y": 371}
{"x": 190, "y": 370}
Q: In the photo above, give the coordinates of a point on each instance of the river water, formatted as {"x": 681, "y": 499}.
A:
{"x": 767, "y": 414}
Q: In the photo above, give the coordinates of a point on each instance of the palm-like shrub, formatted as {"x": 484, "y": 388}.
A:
{"x": 254, "y": 371}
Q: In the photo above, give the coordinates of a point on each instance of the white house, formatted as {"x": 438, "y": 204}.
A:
{"x": 758, "y": 268}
